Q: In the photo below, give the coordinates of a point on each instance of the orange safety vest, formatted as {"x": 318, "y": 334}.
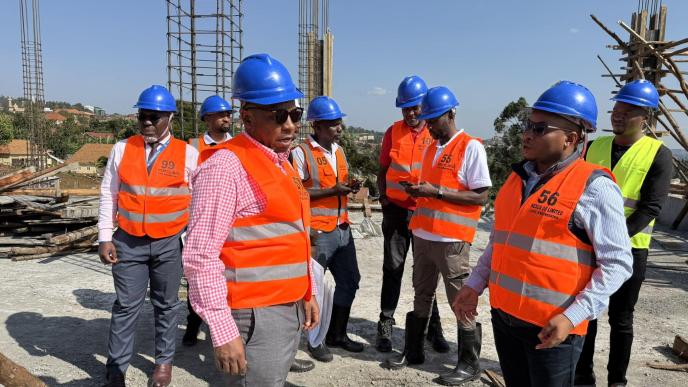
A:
{"x": 326, "y": 213}
{"x": 267, "y": 256}
{"x": 156, "y": 203}
{"x": 407, "y": 158}
{"x": 538, "y": 265}
{"x": 440, "y": 217}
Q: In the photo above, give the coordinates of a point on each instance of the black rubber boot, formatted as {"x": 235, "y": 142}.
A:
{"x": 383, "y": 343}
{"x": 336, "y": 334}
{"x": 414, "y": 352}
{"x": 435, "y": 333}
{"x": 468, "y": 365}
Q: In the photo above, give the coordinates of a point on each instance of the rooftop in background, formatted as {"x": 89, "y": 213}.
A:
{"x": 90, "y": 153}
{"x": 14, "y": 148}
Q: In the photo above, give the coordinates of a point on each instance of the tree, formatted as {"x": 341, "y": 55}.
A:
{"x": 6, "y": 128}
{"x": 362, "y": 158}
{"x": 504, "y": 149}
{"x": 101, "y": 162}
{"x": 65, "y": 139}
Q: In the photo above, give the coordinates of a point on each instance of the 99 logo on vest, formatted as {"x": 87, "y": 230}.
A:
{"x": 167, "y": 164}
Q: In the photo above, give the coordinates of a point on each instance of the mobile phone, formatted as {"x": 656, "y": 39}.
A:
{"x": 405, "y": 183}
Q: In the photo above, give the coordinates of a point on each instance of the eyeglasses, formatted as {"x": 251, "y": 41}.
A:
{"x": 280, "y": 115}
{"x": 152, "y": 117}
{"x": 541, "y": 128}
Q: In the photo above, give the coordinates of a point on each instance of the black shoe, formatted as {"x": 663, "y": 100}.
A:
{"x": 584, "y": 379}
{"x": 116, "y": 379}
{"x": 336, "y": 334}
{"x": 321, "y": 353}
{"x": 191, "y": 335}
{"x": 299, "y": 366}
{"x": 436, "y": 335}
{"x": 414, "y": 353}
{"x": 468, "y": 365}
{"x": 383, "y": 343}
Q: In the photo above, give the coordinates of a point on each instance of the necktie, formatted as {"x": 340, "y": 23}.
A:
{"x": 151, "y": 156}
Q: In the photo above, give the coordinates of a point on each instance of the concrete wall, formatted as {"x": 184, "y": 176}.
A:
{"x": 670, "y": 211}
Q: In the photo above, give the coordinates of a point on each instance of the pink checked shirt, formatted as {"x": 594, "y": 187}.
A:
{"x": 223, "y": 192}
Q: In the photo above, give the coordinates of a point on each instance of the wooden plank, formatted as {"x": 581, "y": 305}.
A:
{"x": 495, "y": 378}
{"x": 42, "y": 174}
{"x": 17, "y": 176}
{"x": 14, "y": 375}
{"x": 74, "y": 235}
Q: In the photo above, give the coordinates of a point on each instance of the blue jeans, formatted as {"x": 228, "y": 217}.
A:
{"x": 335, "y": 250}
{"x": 522, "y": 364}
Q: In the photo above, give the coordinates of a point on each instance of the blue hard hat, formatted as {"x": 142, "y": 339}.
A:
{"x": 639, "y": 93}
{"x": 570, "y": 99}
{"x": 263, "y": 80}
{"x": 215, "y": 104}
{"x": 436, "y": 102}
{"x": 156, "y": 98}
{"x": 411, "y": 91}
{"x": 323, "y": 108}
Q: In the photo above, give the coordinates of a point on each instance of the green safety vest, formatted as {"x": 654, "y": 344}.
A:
{"x": 630, "y": 172}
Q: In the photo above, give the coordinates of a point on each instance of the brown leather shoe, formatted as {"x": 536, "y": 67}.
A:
{"x": 162, "y": 376}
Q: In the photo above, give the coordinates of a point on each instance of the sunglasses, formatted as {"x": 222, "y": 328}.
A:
{"x": 152, "y": 117}
{"x": 541, "y": 128}
{"x": 280, "y": 115}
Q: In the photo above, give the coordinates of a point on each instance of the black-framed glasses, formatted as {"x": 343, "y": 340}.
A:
{"x": 152, "y": 117}
{"x": 280, "y": 115}
{"x": 541, "y": 128}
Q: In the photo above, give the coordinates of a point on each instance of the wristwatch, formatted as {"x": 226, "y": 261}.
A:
{"x": 440, "y": 194}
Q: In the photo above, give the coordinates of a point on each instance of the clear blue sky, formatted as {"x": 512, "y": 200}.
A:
{"x": 104, "y": 53}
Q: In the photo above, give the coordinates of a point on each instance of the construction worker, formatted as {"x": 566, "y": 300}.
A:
{"x": 400, "y": 161}
{"x": 146, "y": 187}
{"x": 247, "y": 253}
{"x": 452, "y": 187}
{"x": 559, "y": 247}
{"x": 216, "y": 112}
{"x": 643, "y": 169}
{"x": 323, "y": 167}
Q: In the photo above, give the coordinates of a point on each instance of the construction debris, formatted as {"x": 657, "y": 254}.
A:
{"x": 14, "y": 375}
{"x": 33, "y": 226}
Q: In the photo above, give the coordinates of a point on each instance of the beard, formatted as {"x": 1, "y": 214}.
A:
{"x": 154, "y": 139}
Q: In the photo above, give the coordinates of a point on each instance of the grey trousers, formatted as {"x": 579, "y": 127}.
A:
{"x": 271, "y": 337}
{"x": 430, "y": 259}
{"x": 143, "y": 260}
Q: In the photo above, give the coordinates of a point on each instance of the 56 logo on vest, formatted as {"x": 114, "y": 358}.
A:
{"x": 545, "y": 205}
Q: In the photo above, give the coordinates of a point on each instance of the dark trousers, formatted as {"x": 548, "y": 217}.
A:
{"x": 144, "y": 261}
{"x": 193, "y": 320}
{"x": 398, "y": 237}
{"x": 522, "y": 364}
{"x": 336, "y": 251}
{"x": 621, "y": 307}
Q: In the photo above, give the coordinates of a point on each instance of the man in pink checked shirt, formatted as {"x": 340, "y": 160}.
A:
{"x": 247, "y": 253}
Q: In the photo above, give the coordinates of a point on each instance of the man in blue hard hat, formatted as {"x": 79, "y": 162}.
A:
{"x": 559, "y": 248}
{"x": 247, "y": 253}
{"x": 401, "y": 155}
{"x": 146, "y": 188}
{"x": 643, "y": 169}
{"x": 216, "y": 112}
{"x": 322, "y": 165}
{"x": 453, "y": 185}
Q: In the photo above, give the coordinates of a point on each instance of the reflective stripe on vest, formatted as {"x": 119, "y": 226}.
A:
{"x": 630, "y": 172}
{"x": 265, "y": 231}
{"x": 548, "y": 296}
{"x": 266, "y": 256}
{"x": 153, "y": 203}
{"x": 540, "y": 246}
{"x": 539, "y": 265}
{"x": 441, "y": 217}
{"x": 406, "y": 159}
{"x": 327, "y": 212}
{"x": 267, "y": 273}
